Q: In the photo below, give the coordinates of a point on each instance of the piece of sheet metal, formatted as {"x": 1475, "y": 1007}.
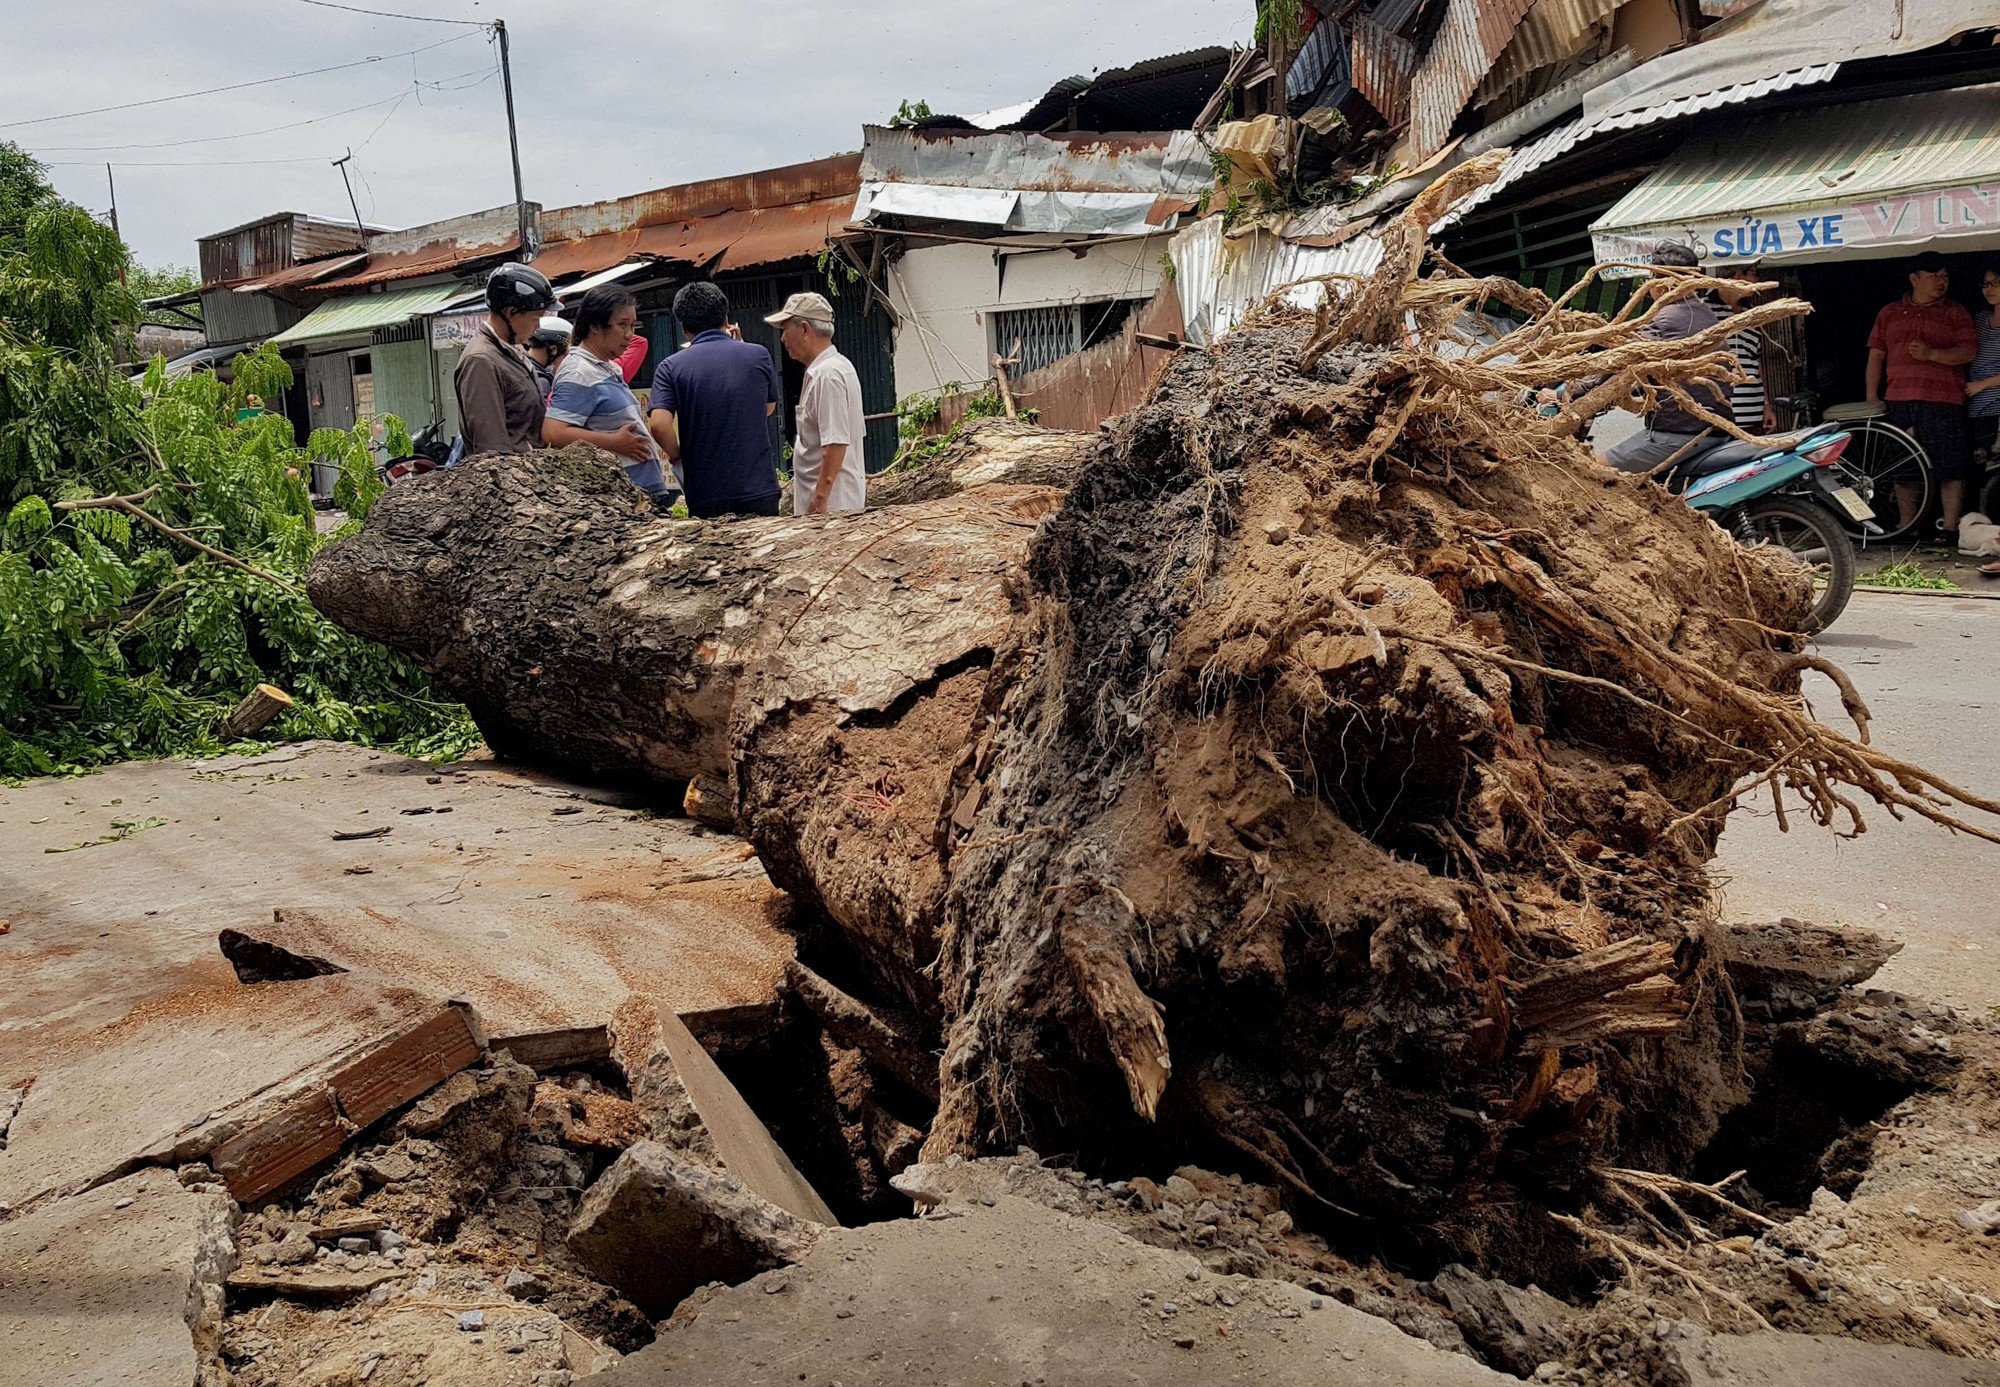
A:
{"x": 1550, "y": 147}
{"x": 1155, "y": 163}
{"x": 1384, "y": 62}
{"x": 1473, "y": 34}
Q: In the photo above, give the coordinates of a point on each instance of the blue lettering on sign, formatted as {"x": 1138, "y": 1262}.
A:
{"x": 1725, "y": 241}
{"x": 1808, "y": 232}
{"x": 1830, "y": 229}
{"x": 1773, "y": 242}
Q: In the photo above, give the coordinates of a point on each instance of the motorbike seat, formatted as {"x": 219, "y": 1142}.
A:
{"x": 1731, "y": 454}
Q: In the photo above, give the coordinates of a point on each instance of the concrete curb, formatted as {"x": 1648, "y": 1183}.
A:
{"x": 1974, "y": 595}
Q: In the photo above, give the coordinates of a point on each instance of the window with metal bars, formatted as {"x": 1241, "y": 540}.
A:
{"x": 1049, "y": 334}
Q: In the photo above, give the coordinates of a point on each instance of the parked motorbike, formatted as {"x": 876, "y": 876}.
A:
{"x": 1792, "y": 491}
{"x": 429, "y": 451}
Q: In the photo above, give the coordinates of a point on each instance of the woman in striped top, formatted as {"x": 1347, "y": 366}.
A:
{"x": 1750, "y": 409}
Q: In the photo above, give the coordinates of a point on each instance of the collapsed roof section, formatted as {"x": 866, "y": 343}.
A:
{"x": 1024, "y": 182}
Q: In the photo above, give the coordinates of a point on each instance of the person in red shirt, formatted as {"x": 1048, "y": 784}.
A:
{"x": 1922, "y": 344}
{"x": 633, "y": 357}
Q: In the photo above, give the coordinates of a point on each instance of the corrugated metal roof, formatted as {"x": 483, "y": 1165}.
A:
{"x": 1783, "y": 36}
{"x": 1551, "y": 33}
{"x": 726, "y": 241}
{"x": 815, "y": 180}
{"x": 1383, "y": 63}
{"x": 1219, "y": 280}
{"x": 1548, "y": 148}
{"x": 438, "y": 247}
{"x": 1798, "y": 158}
{"x": 359, "y": 313}
{"x": 1162, "y": 162}
{"x": 299, "y": 276}
{"x": 1473, "y": 34}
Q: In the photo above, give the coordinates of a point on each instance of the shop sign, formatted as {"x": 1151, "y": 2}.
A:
{"x": 456, "y": 329}
{"x": 1823, "y": 231}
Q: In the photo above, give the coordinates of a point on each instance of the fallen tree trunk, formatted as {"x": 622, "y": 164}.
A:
{"x": 1329, "y": 775}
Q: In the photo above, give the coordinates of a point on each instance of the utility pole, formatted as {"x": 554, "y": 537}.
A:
{"x": 513, "y": 137}
{"x": 341, "y": 164}
{"x": 112, "y": 184}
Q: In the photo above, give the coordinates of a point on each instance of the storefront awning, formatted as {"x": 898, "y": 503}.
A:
{"x": 1870, "y": 178}
{"x": 366, "y": 312}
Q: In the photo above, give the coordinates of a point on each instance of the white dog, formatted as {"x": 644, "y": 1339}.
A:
{"x": 1979, "y": 537}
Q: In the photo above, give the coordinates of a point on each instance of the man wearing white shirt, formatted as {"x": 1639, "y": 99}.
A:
{"x": 829, "y": 474}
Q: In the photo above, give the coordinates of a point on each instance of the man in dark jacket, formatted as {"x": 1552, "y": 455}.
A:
{"x": 1670, "y": 430}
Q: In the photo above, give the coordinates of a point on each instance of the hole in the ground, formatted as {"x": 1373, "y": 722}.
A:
{"x": 1807, "y": 1123}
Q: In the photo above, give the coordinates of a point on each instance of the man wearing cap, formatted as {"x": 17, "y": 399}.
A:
{"x": 828, "y": 472}
{"x": 1922, "y": 344}
{"x": 1672, "y": 433}
{"x": 708, "y": 409}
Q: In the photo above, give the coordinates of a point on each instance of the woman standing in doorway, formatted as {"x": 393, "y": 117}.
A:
{"x": 1982, "y": 388}
{"x": 593, "y": 404}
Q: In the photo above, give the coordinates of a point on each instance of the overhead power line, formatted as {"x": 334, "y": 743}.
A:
{"x": 234, "y": 86}
{"x": 484, "y": 74}
{"x": 385, "y": 14}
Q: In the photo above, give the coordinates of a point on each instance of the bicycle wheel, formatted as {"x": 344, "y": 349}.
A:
{"x": 1891, "y": 459}
{"x": 1814, "y": 534}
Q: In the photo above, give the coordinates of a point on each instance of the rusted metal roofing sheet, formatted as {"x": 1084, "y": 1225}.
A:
{"x": 768, "y": 189}
{"x": 725, "y": 241}
{"x": 1551, "y": 33}
{"x": 1158, "y": 162}
{"x": 438, "y": 247}
{"x": 304, "y": 276}
{"x": 1384, "y": 62}
{"x": 1473, "y": 34}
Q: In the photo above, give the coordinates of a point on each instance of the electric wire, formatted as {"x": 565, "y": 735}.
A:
{"x": 234, "y": 86}
{"x": 386, "y": 14}
{"x": 485, "y": 74}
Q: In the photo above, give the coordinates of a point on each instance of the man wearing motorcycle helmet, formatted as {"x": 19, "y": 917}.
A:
{"x": 500, "y": 402}
{"x": 546, "y": 348}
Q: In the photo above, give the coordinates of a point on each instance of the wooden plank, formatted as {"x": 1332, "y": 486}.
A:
{"x": 413, "y": 1063}
{"x": 302, "y": 1133}
{"x": 567, "y": 1048}
{"x": 310, "y": 1128}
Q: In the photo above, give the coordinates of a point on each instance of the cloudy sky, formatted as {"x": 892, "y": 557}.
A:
{"x": 613, "y": 96}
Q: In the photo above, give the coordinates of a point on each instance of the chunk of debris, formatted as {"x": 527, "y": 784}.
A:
{"x": 342, "y": 1284}
{"x": 137, "y": 1300}
{"x": 694, "y": 1109}
{"x": 656, "y": 1225}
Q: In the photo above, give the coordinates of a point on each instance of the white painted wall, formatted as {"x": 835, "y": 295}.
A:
{"x": 944, "y": 291}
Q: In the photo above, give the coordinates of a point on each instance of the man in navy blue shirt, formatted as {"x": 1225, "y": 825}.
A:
{"x": 708, "y": 408}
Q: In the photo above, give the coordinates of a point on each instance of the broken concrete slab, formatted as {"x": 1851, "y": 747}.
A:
{"x": 1019, "y": 1293}
{"x": 581, "y": 902}
{"x": 91, "y": 1292}
{"x": 184, "y": 1073}
{"x": 656, "y": 1225}
{"x": 1818, "y": 1360}
{"x": 669, "y": 1072}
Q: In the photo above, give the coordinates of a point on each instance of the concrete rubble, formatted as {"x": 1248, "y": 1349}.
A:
{"x": 306, "y": 1158}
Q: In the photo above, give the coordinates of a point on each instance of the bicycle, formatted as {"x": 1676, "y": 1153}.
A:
{"x": 1888, "y": 456}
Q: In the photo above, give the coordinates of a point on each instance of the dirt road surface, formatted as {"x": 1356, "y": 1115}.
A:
{"x": 1929, "y": 668}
